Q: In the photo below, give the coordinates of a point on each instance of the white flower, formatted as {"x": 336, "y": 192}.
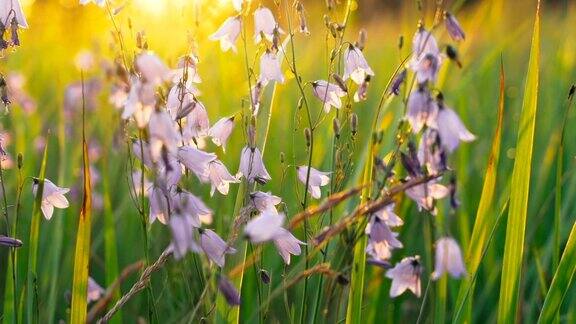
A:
{"x": 264, "y": 23}
{"x": 265, "y": 201}
{"x": 182, "y": 235}
{"x": 197, "y": 122}
{"x": 287, "y": 244}
{"x": 252, "y": 167}
{"x": 52, "y": 196}
{"x": 11, "y": 9}
{"x": 329, "y": 94}
{"x": 196, "y": 161}
{"x": 355, "y": 65}
{"x": 270, "y": 69}
{"x": 317, "y": 179}
{"x": 228, "y": 33}
{"x": 221, "y": 130}
{"x": 152, "y": 69}
{"x": 100, "y": 3}
{"x": 451, "y": 129}
{"x": 422, "y": 110}
{"x": 264, "y": 227}
{"x": 220, "y": 177}
{"x": 162, "y": 134}
{"x": 215, "y": 247}
{"x": 405, "y": 275}
{"x": 448, "y": 259}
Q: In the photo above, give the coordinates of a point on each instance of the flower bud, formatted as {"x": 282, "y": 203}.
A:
{"x": 308, "y": 136}
{"x": 20, "y": 161}
{"x": 334, "y": 29}
{"x": 452, "y": 54}
{"x": 282, "y": 157}
{"x": 361, "y": 42}
{"x": 400, "y": 42}
{"x": 340, "y": 82}
{"x": 354, "y": 123}
{"x": 336, "y": 127}
{"x": 572, "y": 91}
{"x": 264, "y": 276}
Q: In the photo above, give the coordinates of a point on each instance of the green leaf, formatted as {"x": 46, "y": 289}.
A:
{"x": 520, "y": 187}
{"x": 484, "y": 218}
{"x": 561, "y": 281}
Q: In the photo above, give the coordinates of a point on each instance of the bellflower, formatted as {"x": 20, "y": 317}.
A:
{"x": 405, "y": 275}
{"x": 95, "y": 291}
{"x": 221, "y": 130}
{"x": 11, "y": 10}
{"x": 162, "y": 134}
{"x": 264, "y": 24}
{"x": 381, "y": 239}
{"x": 9, "y": 241}
{"x": 388, "y": 216}
{"x": 220, "y": 177}
{"x": 140, "y": 102}
{"x": 159, "y": 203}
{"x": 355, "y": 65}
{"x": 252, "y": 167}
{"x": 430, "y": 152}
{"x": 270, "y": 69}
{"x": 228, "y": 33}
{"x": 191, "y": 206}
{"x": 426, "y": 57}
{"x": 183, "y": 239}
{"x": 422, "y": 110}
{"x": 448, "y": 259}
{"x": 317, "y": 179}
{"x": 451, "y": 129}
{"x": 453, "y": 27}
{"x": 265, "y": 201}
{"x": 196, "y": 161}
{"x": 197, "y": 122}
{"x": 264, "y": 227}
{"x": 214, "y": 246}
{"x": 52, "y": 196}
{"x": 228, "y": 290}
{"x": 181, "y": 100}
{"x": 425, "y": 194}
{"x": 152, "y": 69}
{"x": 329, "y": 94}
{"x": 287, "y": 244}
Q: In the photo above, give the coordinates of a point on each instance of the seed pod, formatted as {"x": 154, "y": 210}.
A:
{"x": 264, "y": 276}
{"x": 340, "y": 82}
{"x": 334, "y": 29}
{"x": 300, "y": 103}
{"x": 336, "y": 127}
{"x": 354, "y": 123}
{"x": 308, "y": 136}
{"x": 572, "y": 91}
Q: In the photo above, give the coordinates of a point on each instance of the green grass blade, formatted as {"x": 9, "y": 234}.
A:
{"x": 561, "y": 281}
{"x": 484, "y": 218}
{"x": 520, "y": 186}
{"x": 32, "y": 311}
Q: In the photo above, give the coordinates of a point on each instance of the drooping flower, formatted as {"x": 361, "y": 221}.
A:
{"x": 265, "y": 201}
{"x": 255, "y": 97}
{"x": 197, "y": 122}
{"x": 182, "y": 228}
{"x": 228, "y": 290}
{"x": 453, "y": 27}
{"x": 270, "y": 69}
{"x": 317, "y": 179}
{"x": 196, "y": 161}
{"x": 425, "y": 194}
{"x": 191, "y": 206}
{"x": 405, "y": 275}
{"x": 95, "y": 291}
{"x": 140, "y": 102}
{"x": 152, "y": 69}
{"x": 448, "y": 259}
{"x": 252, "y": 167}
{"x": 9, "y": 241}
{"x": 162, "y": 134}
{"x": 180, "y": 101}
{"x": 451, "y": 129}
{"x": 287, "y": 244}
{"x": 10, "y": 11}
{"x": 52, "y": 196}
{"x": 422, "y": 110}
{"x": 381, "y": 239}
{"x": 431, "y": 154}
{"x": 264, "y": 227}
{"x": 388, "y": 216}
{"x": 355, "y": 65}
{"x": 221, "y": 130}
{"x": 220, "y": 177}
{"x": 159, "y": 203}
{"x": 426, "y": 58}
{"x": 361, "y": 93}
{"x": 215, "y": 247}
{"x": 264, "y": 24}
{"x": 398, "y": 81}
{"x": 228, "y": 33}
{"x": 328, "y": 93}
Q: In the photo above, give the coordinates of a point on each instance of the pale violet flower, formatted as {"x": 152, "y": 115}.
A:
{"x": 228, "y": 33}
{"x": 10, "y": 10}
{"x": 264, "y": 24}
{"x": 422, "y": 110}
{"x": 264, "y": 227}
{"x": 287, "y": 244}
{"x": 430, "y": 152}
{"x": 361, "y": 93}
{"x": 425, "y": 194}
{"x": 317, "y": 179}
{"x": 453, "y": 27}
{"x": 252, "y": 167}
{"x": 451, "y": 129}
{"x": 221, "y": 130}
{"x": 388, "y": 216}
{"x": 270, "y": 69}
{"x": 265, "y": 201}
{"x": 186, "y": 204}
{"x": 328, "y": 93}
{"x": 100, "y": 3}
{"x": 448, "y": 259}
{"x": 196, "y": 161}
{"x": 181, "y": 100}
{"x": 214, "y": 246}
{"x": 140, "y": 102}
{"x": 405, "y": 275}
{"x": 381, "y": 240}
{"x": 220, "y": 178}
{"x": 95, "y": 291}
{"x": 52, "y": 196}
{"x": 355, "y": 65}
{"x": 255, "y": 97}
{"x": 228, "y": 290}
{"x": 183, "y": 240}
{"x": 152, "y": 69}
{"x": 159, "y": 204}
{"x": 197, "y": 122}
{"x": 426, "y": 58}
{"x": 162, "y": 134}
